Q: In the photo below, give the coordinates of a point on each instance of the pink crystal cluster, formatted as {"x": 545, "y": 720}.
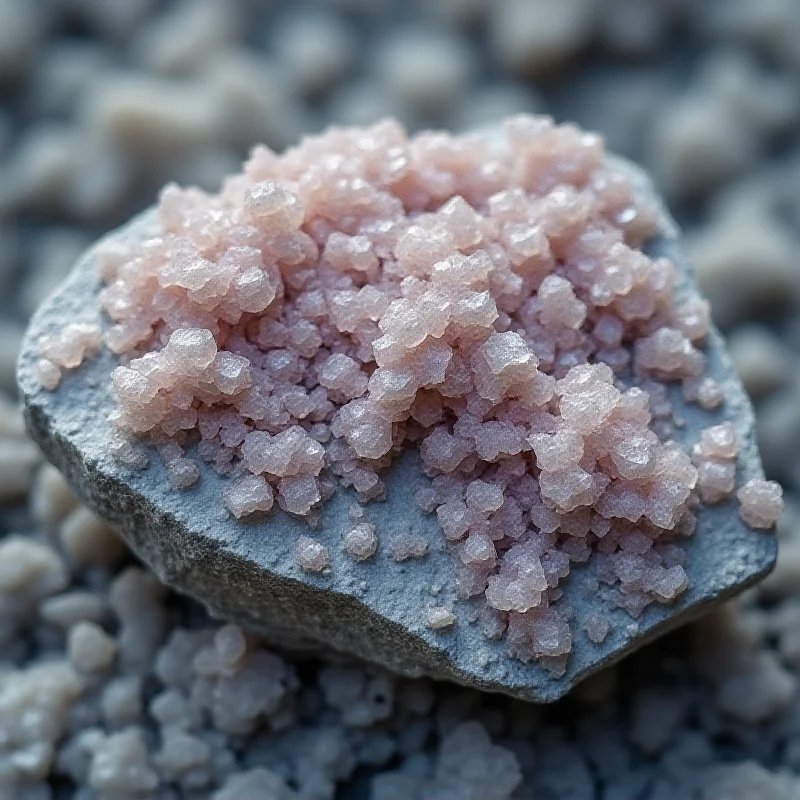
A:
{"x": 65, "y": 351}
{"x": 486, "y": 301}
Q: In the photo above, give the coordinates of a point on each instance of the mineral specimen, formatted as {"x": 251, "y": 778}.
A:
{"x": 485, "y": 300}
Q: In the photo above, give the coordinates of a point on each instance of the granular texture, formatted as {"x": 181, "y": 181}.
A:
{"x": 486, "y": 301}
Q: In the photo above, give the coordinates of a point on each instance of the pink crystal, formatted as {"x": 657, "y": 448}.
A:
{"x": 719, "y": 441}
{"x": 761, "y": 503}
{"x": 484, "y": 497}
{"x": 66, "y": 350}
{"x": 404, "y": 546}
{"x": 298, "y": 494}
{"x": 596, "y": 627}
{"x": 248, "y": 494}
{"x": 311, "y": 555}
{"x": 360, "y": 543}
{"x": 342, "y": 374}
{"x": 714, "y": 456}
{"x": 183, "y": 473}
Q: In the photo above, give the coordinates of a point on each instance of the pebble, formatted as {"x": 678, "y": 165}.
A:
{"x": 533, "y": 37}
{"x": 255, "y": 97}
{"x": 763, "y": 362}
{"x": 68, "y": 609}
{"x": 318, "y": 49}
{"x": 142, "y": 114}
{"x": 18, "y": 460}
{"x": 745, "y": 263}
{"x": 778, "y": 429}
{"x": 697, "y": 145}
{"x": 427, "y": 72}
{"x": 87, "y": 539}
{"x": 177, "y": 41}
{"x": 89, "y": 648}
{"x": 51, "y": 497}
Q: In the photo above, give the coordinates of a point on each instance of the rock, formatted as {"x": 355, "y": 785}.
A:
{"x": 376, "y": 609}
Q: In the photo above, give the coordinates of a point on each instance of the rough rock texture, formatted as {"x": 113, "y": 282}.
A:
{"x": 378, "y": 609}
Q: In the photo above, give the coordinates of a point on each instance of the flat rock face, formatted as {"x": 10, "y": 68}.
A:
{"x": 377, "y": 609}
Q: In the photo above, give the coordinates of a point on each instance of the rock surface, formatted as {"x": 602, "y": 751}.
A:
{"x": 377, "y": 610}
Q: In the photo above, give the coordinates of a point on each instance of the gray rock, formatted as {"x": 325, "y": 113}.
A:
{"x": 377, "y": 609}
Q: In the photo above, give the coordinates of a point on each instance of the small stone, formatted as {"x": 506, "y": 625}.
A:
{"x": 68, "y": 609}
{"x": 87, "y": 539}
{"x": 89, "y": 648}
{"x": 760, "y": 358}
{"x": 52, "y": 498}
{"x": 425, "y": 70}
{"x": 30, "y": 570}
{"x": 120, "y": 764}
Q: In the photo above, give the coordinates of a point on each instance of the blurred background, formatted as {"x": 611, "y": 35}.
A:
{"x": 103, "y": 101}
